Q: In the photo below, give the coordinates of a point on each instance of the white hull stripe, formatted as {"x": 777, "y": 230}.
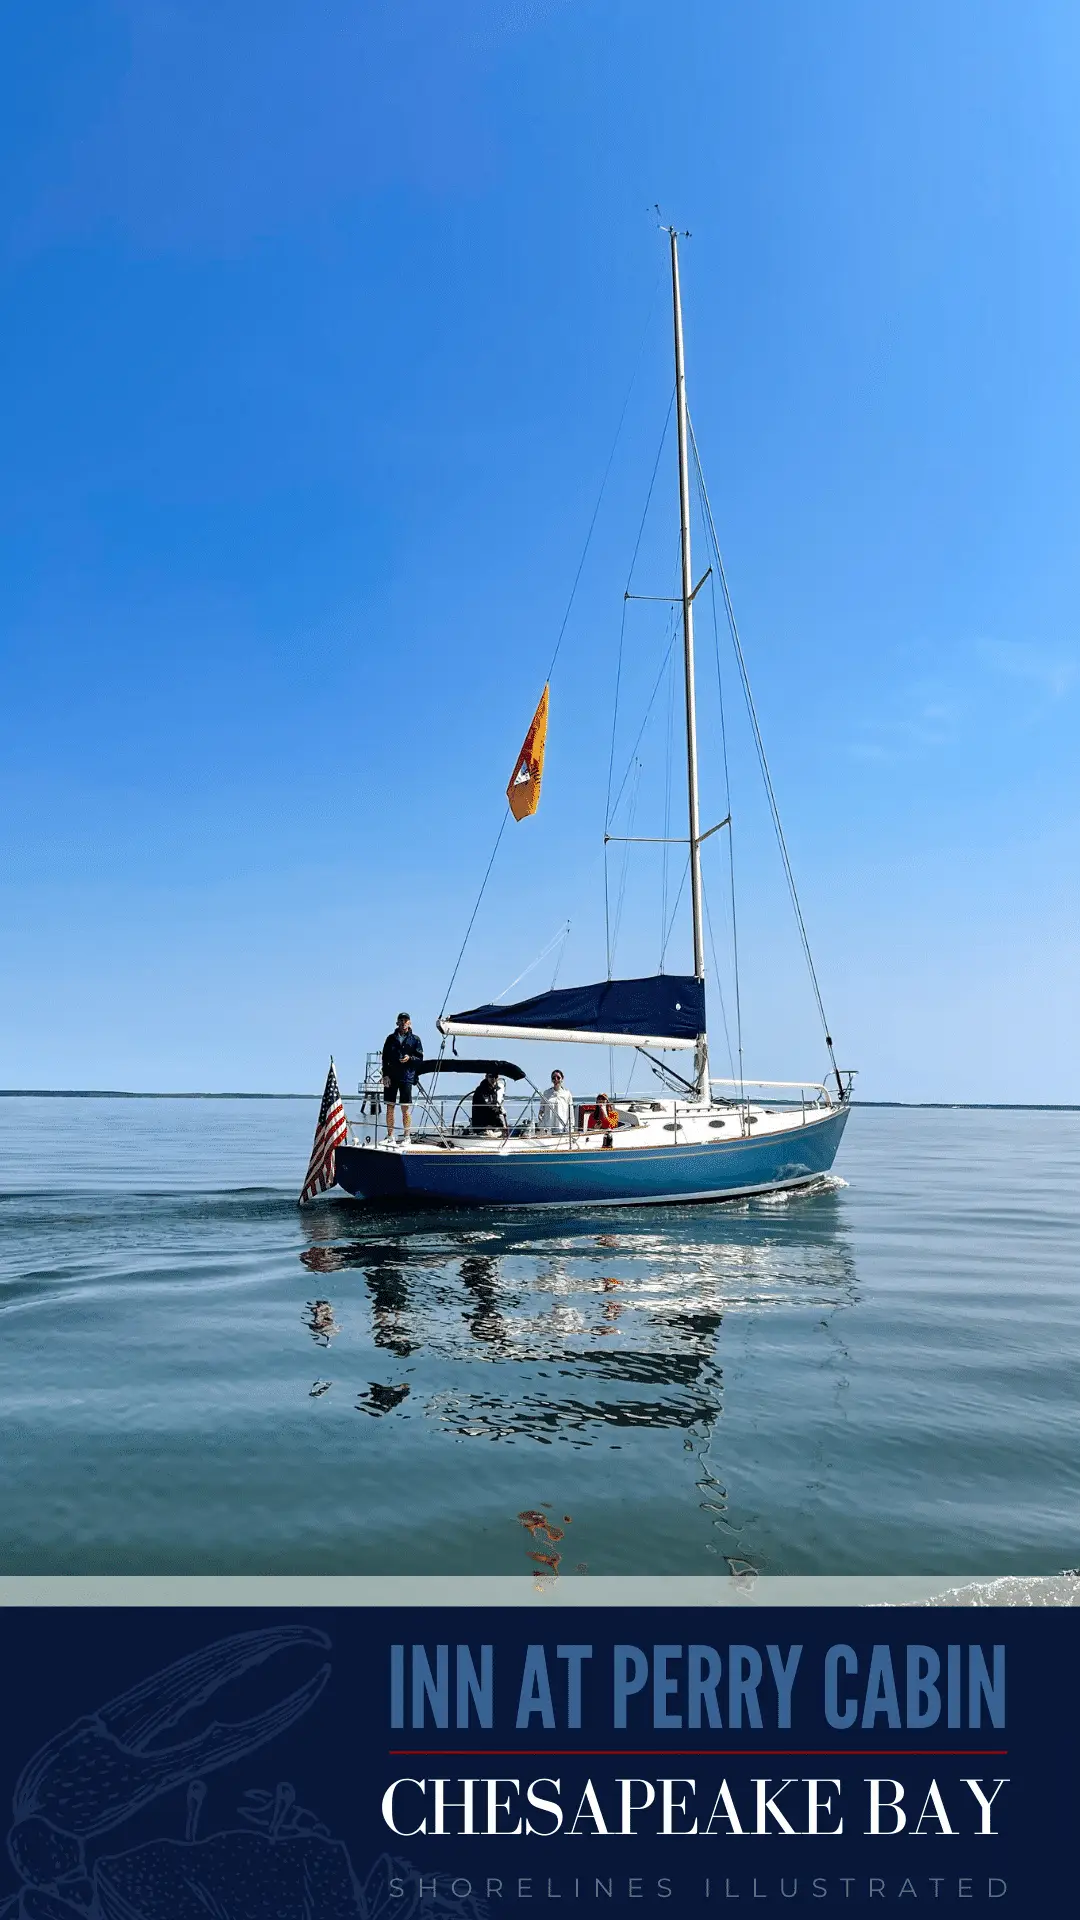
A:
{"x": 662, "y": 1199}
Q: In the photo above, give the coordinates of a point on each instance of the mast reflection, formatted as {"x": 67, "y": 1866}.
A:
{"x": 580, "y": 1333}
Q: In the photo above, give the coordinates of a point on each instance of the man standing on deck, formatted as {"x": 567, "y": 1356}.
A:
{"x": 556, "y": 1106}
{"x": 402, "y": 1053}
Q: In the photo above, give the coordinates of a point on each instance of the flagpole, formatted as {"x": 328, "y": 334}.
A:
{"x": 331, "y": 1132}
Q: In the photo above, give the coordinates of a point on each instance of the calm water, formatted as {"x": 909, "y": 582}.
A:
{"x": 878, "y": 1378}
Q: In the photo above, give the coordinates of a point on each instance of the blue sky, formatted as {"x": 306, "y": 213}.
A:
{"x": 317, "y": 321}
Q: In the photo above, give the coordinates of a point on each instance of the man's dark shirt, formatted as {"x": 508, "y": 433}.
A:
{"x": 401, "y": 1056}
{"x": 486, "y": 1111}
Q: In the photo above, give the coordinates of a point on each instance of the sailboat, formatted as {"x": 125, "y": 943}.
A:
{"x": 708, "y": 1142}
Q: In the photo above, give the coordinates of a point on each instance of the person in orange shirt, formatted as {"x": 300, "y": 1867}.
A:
{"x": 603, "y": 1117}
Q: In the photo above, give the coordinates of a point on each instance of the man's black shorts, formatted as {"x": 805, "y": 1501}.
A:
{"x": 398, "y": 1090}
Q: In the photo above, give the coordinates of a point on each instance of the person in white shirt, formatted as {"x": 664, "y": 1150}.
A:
{"x": 557, "y": 1106}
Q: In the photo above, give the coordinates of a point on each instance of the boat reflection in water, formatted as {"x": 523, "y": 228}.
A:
{"x": 518, "y": 1330}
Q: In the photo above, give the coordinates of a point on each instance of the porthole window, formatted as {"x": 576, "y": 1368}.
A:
{"x": 718, "y": 1123}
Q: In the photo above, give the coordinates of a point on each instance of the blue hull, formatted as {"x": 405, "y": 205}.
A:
{"x": 631, "y": 1177}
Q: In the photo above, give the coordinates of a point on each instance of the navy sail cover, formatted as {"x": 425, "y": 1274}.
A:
{"x": 669, "y": 1004}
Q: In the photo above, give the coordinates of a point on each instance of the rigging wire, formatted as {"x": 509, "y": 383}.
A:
{"x": 619, "y": 668}
{"x": 607, "y": 471}
{"x": 731, "y": 849}
{"x": 674, "y": 912}
{"x": 556, "y": 939}
{"x": 652, "y": 484}
{"x": 735, "y": 958}
{"x": 719, "y": 987}
{"x": 675, "y": 617}
{"x": 559, "y": 958}
{"x": 762, "y": 759}
{"x": 566, "y": 615}
{"x": 607, "y": 803}
{"x": 665, "y": 864}
{"x": 626, "y": 862}
{"x": 475, "y": 911}
{"x": 632, "y": 762}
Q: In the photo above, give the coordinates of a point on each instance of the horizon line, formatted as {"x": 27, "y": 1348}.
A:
{"x": 124, "y": 1093}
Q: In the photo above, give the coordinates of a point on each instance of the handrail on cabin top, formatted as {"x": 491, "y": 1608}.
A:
{"x": 812, "y": 1086}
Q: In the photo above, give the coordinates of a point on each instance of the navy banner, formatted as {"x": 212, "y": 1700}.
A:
{"x": 420, "y": 1763}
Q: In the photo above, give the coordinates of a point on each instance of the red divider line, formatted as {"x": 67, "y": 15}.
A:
{"x": 697, "y": 1753}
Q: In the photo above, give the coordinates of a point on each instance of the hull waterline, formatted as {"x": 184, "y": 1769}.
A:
{"x": 637, "y": 1176}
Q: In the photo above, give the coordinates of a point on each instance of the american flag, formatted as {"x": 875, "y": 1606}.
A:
{"x": 330, "y": 1134}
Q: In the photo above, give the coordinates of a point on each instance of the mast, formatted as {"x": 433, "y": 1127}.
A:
{"x": 702, "y": 1058}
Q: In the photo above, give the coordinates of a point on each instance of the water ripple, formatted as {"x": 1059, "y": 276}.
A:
{"x": 876, "y": 1376}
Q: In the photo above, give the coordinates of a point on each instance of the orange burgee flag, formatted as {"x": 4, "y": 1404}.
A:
{"x": 523, "y": 792}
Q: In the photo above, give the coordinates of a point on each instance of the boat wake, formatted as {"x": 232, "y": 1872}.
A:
{"x": 1014, "y": 1590}
{"x": 793, "y": 1196}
